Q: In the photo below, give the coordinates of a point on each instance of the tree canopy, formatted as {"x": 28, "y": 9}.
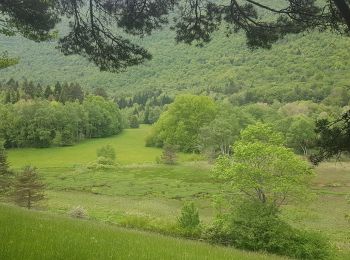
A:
{"x": 333, "y": 138}
{"x": 181, "y": 123}
{"x": 263, "y": 169}
{"x": 92, "y": 23}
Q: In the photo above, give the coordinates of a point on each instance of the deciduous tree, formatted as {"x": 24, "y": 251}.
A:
{"x": 181, "y": 123}
{"x": 219, "y": 135}
{"x": 264, "y": 171}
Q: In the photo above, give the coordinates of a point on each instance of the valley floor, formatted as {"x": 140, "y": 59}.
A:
{"x": 142, "y": 193}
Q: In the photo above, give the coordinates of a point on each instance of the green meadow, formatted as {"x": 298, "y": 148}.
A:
{"x": 144, "y": 195}
{"x": 129, "y": 145}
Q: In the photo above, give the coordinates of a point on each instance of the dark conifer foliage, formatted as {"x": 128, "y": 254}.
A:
{"x": 333, "y": 138}
{"x": 28, "y": 188}
{"x": 5, "y": 173}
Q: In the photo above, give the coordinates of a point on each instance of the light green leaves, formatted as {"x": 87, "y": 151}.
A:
{"x": 263, "y": 169}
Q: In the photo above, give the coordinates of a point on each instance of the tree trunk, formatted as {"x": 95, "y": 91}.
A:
{"x": 344, "y": 10}
{"x": 304, "y": 148}
{"x": 29, "y": 200}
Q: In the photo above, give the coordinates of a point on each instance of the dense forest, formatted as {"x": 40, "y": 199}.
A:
{"x": 298, "y": 64}
{"x": 33, "y": 116}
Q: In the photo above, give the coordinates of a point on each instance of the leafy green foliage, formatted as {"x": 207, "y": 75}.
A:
{"x": 19, "y": 18}
{"x": 41, "y": 123}
{"x": 189, "y": 218}
{"x": 104, "y": 117}
{"x": 262, "y": 133}
{"x": 258, "y": 227}
{"x": 134, "y": 122}
{"x": 301, "y": 134}
{"x": 218, "y": 136}
{"x": 294, "y": 69}
{"x": 180, "y": 124}
{"x": 264, "y": 170}
{"x": 6, "y": 61}
{"x": 105, "y": 159}
{"x": 107, "y": 152}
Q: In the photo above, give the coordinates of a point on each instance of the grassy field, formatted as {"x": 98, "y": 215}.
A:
{"x": 33, "y": 235}
{"x": 129, "y": 146}
{"x": 144, "y": 192}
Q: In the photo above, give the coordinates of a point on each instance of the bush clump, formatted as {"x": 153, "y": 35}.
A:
{"x": 78, "y": 212}
{"x": 106, "y": 154}
{"x": 169, "y": 154}
{"x": 258, "y": 227}
{"x": 105, "y": 159}
{"x": 189, "y": 221}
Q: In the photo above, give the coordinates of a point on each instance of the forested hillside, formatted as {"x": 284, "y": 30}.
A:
{"x": 314, "y": 61}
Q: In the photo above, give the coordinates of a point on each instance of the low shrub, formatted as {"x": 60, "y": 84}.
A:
{"x": 148, "y": 223}
{"x": 189, "y": 221}
{"x": 258, "y": 227}
{"x": 104, "y": 160}
{"x": 189, "y": 217}
{"x": 78, "y": 212}
{"x": 107, "y": 153}
{"x": 99, "y": 166}
{"x": 169, "y": 154}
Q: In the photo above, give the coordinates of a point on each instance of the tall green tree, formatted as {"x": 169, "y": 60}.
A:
{"x": 104, "y": 118}
{"x": 180, "y": 124}
{"x": 219, "y": 135}
{"x": 301, "y": 135}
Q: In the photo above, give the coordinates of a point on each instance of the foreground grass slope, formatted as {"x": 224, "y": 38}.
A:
{"x": 34, "y": 235}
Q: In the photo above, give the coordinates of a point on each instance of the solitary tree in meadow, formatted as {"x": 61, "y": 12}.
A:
{"x": 264, "y": 171}
{"x": 28, "y": 188}
{"x": 180, "y": 124}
